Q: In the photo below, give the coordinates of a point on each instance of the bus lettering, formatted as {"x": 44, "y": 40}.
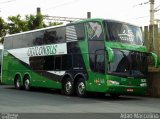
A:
{"x": 42, "y": 50}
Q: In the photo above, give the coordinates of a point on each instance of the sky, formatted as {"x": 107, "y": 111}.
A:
{"x": 122, "y": 10}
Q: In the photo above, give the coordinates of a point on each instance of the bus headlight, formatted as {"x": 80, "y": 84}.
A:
{"x": 143, "y": 84}
{"x": 112, "y": 82}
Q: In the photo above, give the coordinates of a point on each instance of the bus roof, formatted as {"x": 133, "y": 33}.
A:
{"x": 75, "y": 22}
{"x": 41, "y": 29}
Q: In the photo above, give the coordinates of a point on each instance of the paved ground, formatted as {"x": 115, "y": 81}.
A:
{"x": 50, "y": 101}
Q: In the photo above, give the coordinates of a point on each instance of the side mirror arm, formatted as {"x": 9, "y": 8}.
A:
{"x": 110, "y": 54}
{"x": 155, "y": 57}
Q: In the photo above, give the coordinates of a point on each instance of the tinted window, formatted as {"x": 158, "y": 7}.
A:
{"x": 75, "y": 32}
{"x": 49, "y": 62}
{"x": 129, "y": 63}
{"x": 56, "y": 35}
{"x": 78, "y": 61}
{"x": 23, "y": 40}
{"x": 100, "y": 61}
{"x": 58, "y": 63}
{"x": 28, "y": 39}
{"x": 66, "y": 62}
{"x": 37, "y": 37}
{"x": 37, "y": 63}
{"x": 8, "y": 43}
{"x": 17, "y": 41}
{"x": 94, "y": 30}
{"x": 125, "y": 33}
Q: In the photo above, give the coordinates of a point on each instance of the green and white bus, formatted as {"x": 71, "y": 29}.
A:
{"x": 94, "y": 55}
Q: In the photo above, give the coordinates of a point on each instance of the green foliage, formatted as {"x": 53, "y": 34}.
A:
{"x": 3, "y": 29}
{"x": 54, "y": 23}
{"x": 35, "y": 21}
{"x": 16, "y": 24}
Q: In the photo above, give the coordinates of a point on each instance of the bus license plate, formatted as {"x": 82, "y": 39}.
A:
{"x": 130, "y": 90}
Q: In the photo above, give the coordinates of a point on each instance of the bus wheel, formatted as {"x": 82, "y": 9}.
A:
{"x": 17, "y": 82}
{"x": 27, "y": 83}
{"x": 68, "y": 87}
{"x": 81, "y": 88}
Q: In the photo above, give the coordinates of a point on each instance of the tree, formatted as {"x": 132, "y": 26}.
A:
{"x": 35, "y": 21}
{"x": 54, "y": 23}
{"x": 3, "y": 29}
{"x": 16, "y": 24}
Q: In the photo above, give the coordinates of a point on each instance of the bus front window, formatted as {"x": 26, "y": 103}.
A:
{"x": 123, "y": 33}
{"x": 129, "y": 63}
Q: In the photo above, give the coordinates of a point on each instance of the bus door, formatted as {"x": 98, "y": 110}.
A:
{"x": 99, "y": 75}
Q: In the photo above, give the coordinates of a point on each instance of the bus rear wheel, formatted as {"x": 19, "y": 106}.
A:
{"x": 81, "y": 88}
{"x": 17, "y": 82}
{"x": 68, "y": 87}
{"x": 27, "y": 83}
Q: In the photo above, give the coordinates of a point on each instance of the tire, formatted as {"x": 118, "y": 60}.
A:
{"x": 81, "y": 88}
{"x": 26, "y": 84}
{"x": 68, "y": 87}
{"x": 17, "y": 82}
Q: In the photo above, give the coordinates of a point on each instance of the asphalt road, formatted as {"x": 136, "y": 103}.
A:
{"x": 50, "y": 101}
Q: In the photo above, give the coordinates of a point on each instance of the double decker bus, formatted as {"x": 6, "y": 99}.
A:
{"x": 93, "y": 55}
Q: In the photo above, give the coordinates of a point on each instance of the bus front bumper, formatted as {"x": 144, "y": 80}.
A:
{"x": 127, "y": 90}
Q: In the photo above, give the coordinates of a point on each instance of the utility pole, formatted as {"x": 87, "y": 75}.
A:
{"x": 38, "y": 10}
{"x": 88, "y": 15}
{"x": 152, "y": 10}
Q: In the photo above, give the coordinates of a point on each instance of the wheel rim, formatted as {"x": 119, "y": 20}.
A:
{"x": 81, "y": 88}
{"x": 68, "y": 86}
{"x": 27, "y": 83}
{"x": 17, "y": 83}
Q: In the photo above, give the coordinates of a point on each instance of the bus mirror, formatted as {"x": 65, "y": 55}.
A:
{"x": 110, "y": 54}
{"x": 155, "y": 58}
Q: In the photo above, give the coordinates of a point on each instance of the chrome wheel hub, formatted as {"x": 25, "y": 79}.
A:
{"x": 27, "y": 84}
{"x": 68, "y": 86}
{"x": 81, "y": 88}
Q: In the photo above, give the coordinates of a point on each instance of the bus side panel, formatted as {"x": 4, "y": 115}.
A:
{"x": 13, "y": 66}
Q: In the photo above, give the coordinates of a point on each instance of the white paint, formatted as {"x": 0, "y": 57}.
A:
{"x": 21, "y": 53}
{"x": 60, "y": 73}
{"x": 96, "y": 28}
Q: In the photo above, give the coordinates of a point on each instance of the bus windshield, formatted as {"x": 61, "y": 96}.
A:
{"x": 129, "y": 63}
{"x": 124, "y": 33}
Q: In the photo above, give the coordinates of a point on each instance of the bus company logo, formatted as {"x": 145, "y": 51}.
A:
{"x": 42, "y": 50}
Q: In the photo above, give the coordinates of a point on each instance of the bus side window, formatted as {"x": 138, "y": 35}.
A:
{"x": 8, "y": 43}
{"x": 58, "y": 62}
{"x": 37, "y": 37}
{"x": 55, "y": 35}
{"x": 99, "y": 67}
{"x": 75, "y": 32}
{"x": 49, "y": 62}
{"x": 100, "y": 61}
{"x": 78, "y": 62}
{"x": 94, "y": 30}
{"x": 80, "y": 31}
{"x": 66, "y": 62}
